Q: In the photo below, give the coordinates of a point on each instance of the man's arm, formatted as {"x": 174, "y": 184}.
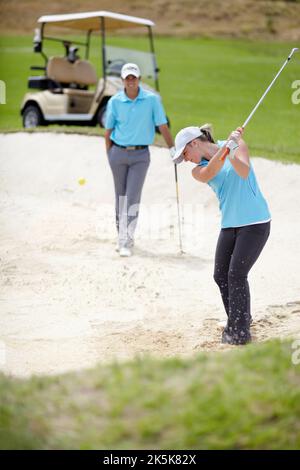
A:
{"x": 108, "y": 142}
{"x": 165, "y": 132}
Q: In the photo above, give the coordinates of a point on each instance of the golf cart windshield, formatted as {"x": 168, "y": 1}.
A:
{"x": 116, "y": 57}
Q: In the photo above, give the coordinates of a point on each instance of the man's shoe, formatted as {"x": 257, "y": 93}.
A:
{"x": 129, "y": 244}
{"x": 125, "y": 252}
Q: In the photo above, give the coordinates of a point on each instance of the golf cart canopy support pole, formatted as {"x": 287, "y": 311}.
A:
{"x": 88, "y": 42}
{"x": 102, "y": 26}
{"x": 42, "y": 52}
{"x": 153, "y": 58}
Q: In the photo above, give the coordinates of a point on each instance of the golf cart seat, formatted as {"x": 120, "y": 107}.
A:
{"x": 65, "y": 73}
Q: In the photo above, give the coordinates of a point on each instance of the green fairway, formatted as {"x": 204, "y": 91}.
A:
{"x": 248, "y": 398}
{"x": 201, "y": 80}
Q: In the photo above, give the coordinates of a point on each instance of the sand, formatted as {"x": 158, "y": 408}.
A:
{"x": 68, "y": 301}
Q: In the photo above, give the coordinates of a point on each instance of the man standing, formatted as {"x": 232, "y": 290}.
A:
{"x": 132, "y": 115}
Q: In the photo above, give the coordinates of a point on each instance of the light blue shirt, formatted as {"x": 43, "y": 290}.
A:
{"x": 133, "y": 121}
{"x": 240, "y": 200}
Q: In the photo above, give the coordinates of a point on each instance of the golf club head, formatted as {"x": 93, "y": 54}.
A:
{"x": 295, "y": 49}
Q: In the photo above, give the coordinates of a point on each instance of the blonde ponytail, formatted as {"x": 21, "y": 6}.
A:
{"x": 207, "y": 130}
{"x": 207, "y": 127}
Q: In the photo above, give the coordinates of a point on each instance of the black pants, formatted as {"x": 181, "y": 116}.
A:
{"x": 237, "y": 250}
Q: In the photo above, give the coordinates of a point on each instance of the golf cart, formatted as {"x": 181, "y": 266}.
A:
{"x": 63, "y": 95}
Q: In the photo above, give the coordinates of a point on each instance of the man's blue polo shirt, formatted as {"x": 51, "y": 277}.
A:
{"x": 133, "y": 121}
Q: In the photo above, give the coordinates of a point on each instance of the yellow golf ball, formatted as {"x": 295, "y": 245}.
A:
{"x": 81, "y": 181}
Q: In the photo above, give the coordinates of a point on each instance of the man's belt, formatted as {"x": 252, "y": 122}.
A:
{"x": 131, "y": 147}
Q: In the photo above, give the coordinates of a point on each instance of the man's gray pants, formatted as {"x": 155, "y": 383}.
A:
{"x": 129, "y": 169}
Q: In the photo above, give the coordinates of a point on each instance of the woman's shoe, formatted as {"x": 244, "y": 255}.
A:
{"x": 234, "y": 339}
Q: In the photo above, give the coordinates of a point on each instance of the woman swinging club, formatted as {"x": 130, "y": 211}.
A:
{"x": 245, "y": 218}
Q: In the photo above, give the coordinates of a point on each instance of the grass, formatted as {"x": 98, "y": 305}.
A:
{"x": 201, "y": 80}
{"x": 245, "y": 399}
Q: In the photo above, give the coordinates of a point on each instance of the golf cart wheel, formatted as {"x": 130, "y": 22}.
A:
{"x": 101, "y": 116}
{"x": 32, "y": 117}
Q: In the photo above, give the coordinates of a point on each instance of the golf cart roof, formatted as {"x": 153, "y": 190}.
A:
{"x": 90, "y": 20}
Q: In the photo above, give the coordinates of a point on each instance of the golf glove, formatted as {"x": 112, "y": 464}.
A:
{"x": 233, "y": 142}
{"x": 235, "y": 136}
{"x": 232, "y": 145}
{"x": 172, "y": 152}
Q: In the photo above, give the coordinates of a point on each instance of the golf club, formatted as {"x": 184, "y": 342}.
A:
{"x": 295, "y": 49}
{"x": 178, "y": 211}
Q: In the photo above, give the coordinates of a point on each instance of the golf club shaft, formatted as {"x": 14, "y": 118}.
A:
{"x": 226, "y": 150}
{"x": 267, "y": 90}
{"x": 178, "y": 209}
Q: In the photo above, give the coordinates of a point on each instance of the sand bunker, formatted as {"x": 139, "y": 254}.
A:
{"x": 68, "y": 300}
